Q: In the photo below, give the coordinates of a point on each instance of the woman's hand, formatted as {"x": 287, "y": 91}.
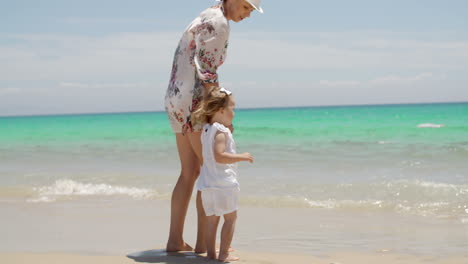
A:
{"x": 231, "y": 127}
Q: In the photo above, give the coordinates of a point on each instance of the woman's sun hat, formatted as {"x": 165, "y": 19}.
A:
{"x": 256, "y": 5}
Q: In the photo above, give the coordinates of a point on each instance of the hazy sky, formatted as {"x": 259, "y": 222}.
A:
{"x": 63, "y": 56}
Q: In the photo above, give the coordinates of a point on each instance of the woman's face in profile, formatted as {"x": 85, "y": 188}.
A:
{"x": 238, "y": 10}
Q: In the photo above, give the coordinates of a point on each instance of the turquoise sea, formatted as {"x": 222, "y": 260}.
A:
{"x": 403, "y": 159}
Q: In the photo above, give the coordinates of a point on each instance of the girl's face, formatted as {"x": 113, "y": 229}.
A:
{"x": 227, "y": 113}
{"x": 237, "y": 10}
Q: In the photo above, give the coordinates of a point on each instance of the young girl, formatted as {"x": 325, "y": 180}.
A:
{"x": 217, "y": 182}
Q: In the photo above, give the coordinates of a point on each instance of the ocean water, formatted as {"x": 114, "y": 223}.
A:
{"x": 402, "y": 159}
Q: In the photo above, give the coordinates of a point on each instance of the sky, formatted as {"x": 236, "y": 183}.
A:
{"x": 64, "y": 56}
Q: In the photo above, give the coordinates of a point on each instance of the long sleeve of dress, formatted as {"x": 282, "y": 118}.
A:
{"x": 211, "y": 43}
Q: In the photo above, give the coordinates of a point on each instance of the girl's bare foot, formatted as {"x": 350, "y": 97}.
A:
{"x": 226, "y": 257}
{"x": 176, "y": 248}
{"x": 199, "y": 250}
{"x": 229, "y": 250}
{"x": 211, "y": 257}
{"x": 217, "y": 250}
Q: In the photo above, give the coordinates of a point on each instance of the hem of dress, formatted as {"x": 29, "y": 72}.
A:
{"x": 218, "y": 188}
{"x": 224, "y": 212}
{"x": 186, "y": 132}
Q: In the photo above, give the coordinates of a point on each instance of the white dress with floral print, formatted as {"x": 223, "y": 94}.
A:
{"x": 201, "y": 50}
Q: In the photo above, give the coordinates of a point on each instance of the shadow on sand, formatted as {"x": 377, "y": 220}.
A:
{"x": 161, "y": 256}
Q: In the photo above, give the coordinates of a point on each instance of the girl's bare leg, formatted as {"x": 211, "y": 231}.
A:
{"x": 190, "y": 169}
{"x": 210, "y": 235}
{"x": 200, "y": 247}
{"x": 227, "y": 233}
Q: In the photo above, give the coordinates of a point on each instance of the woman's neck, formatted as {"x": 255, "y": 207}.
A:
{"x": 225, "y": 9}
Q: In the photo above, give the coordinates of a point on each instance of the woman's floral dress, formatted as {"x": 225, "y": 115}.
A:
{"x": 201, "y": 50}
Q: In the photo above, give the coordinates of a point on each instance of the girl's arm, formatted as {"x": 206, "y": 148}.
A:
{"x": 227, "y": 158}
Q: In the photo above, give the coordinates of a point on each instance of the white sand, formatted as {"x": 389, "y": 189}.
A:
{"x": 106, "y": 230}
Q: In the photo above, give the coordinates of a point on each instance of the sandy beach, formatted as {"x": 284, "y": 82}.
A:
{"x": 123, "y": 231}
{"x": 246, "y": 257}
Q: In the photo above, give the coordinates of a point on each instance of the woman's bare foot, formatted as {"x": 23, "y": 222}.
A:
{"x": 226, "y": 257}
{"x": 175, "y": 248}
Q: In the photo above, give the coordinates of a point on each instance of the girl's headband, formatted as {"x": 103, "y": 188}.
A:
{"x": 227, "y": 92}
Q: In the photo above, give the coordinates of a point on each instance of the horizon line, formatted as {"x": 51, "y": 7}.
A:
{"x": 245, "y": 108}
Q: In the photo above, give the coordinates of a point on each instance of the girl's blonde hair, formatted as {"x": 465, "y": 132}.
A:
{"x": 214, "y": 100}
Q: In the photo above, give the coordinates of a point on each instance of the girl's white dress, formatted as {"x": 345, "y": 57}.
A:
{"x": 217, "y": 182}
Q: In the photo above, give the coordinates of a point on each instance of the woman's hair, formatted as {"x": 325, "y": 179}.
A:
{"x": 214, "y": 100}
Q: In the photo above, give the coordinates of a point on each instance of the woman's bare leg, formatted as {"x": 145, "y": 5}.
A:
{"x": 227, "y": 233}
{"x": 200, "y": 247}
{"x": 190, "y": 169}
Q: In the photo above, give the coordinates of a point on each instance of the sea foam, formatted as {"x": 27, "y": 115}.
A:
{"x": 69, "y": 188}
{"x": 430, "y": 125}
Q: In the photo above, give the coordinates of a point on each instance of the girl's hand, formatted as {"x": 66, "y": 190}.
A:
{"x": 247, "y": 157}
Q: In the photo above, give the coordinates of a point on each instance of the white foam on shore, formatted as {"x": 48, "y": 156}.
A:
{"x": 415, "y": 197}
{"x": 68, "y": 188}
{"x": 349, "y": 204}
{"x": 430, "y": 125}
{"x": 418, "y": 197}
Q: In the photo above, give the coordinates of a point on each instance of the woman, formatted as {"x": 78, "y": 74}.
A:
{"x": 201, "y": 50}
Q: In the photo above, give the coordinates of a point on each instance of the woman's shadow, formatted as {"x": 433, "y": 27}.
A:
{"x": 161, "y": 256}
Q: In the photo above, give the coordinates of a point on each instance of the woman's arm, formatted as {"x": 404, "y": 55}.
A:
{"x": 221, "y": 156}
{"x": 208, "y": 86}
{"x": 211, "y": 41}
